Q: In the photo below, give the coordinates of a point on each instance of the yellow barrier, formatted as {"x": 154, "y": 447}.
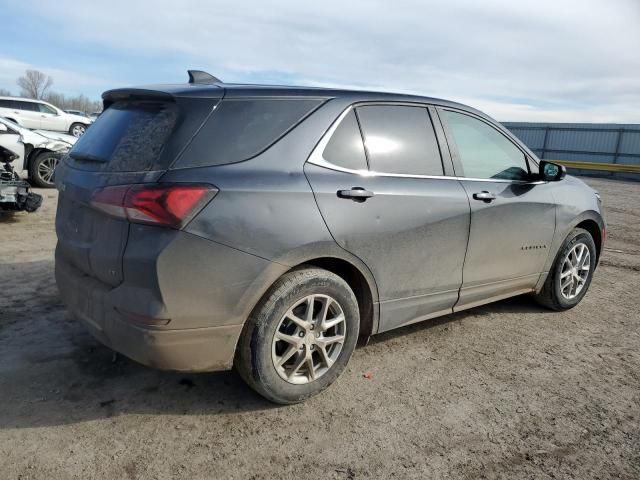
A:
{"x": 609, "y": 167}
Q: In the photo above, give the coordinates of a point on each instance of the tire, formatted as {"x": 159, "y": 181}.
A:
{"x": 77, "y": 129}
{"x": 259, "y": 351}
{"x": 554, "y": 293}
{"x": 42, "y": 167}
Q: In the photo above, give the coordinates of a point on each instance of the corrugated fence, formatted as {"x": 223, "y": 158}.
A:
{"x": 600, "y": 148}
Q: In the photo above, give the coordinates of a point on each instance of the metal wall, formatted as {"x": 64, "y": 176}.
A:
{"x": 586, "y": 142}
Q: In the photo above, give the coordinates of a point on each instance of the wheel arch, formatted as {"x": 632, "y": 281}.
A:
{"x": 596, "y": 231}
{"x": 592, "y": 222}
{"x": 365, "y": 293}
{"x": 28, "y": 150}
{"x": 32, "y": 154}
{"x": 331, "y": 257}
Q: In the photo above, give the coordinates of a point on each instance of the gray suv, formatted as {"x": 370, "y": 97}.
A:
{"x": 206, "y": 226}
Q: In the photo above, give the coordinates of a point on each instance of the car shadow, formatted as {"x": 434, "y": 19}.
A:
{"x": 91, "y": 382}
{"x": 9, "y": 217}
{"x": 53, "y": 372}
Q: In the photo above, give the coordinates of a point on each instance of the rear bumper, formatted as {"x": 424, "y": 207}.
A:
{"x": 193, "y": 349}
{"x": 205, "y": 291}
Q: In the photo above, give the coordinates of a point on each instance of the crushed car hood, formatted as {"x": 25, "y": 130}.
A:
{"x": 63, "y": 137}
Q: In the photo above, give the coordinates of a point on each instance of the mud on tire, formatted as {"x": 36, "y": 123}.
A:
{"x": 260, "y": 355}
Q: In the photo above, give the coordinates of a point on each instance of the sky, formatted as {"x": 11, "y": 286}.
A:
{"x": 517, "y": 60}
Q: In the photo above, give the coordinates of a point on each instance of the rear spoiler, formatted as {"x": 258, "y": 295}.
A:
{"x": 197, "y": 78}
{"x": 111, "y": 96}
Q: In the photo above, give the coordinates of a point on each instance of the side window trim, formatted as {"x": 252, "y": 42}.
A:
{"x": 364, "y": 144}
{"x": 455, "y": 155}
{"x": 445, "y": 154}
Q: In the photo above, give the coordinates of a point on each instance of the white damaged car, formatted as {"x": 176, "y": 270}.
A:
{"x": 36, "y": 152}
{"x": 35, "y": 114}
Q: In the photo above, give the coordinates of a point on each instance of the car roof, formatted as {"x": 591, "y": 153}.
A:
{"x": 22, "y": 99}
{"x": 274, "y": 91}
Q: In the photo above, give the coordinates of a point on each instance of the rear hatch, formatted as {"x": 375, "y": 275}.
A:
{"x": 134, "y": 141}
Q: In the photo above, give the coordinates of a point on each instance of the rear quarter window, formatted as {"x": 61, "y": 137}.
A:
{"x": 27, "y": 106}
{"x": 345, "y": 148}
{"x": 242, "y": 128}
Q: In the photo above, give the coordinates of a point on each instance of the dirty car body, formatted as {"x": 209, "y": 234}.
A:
{"x": 275, "y": 193}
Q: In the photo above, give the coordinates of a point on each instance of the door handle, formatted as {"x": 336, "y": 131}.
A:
{"x": 486, "y": 197}
{"x": 357, "y": 194}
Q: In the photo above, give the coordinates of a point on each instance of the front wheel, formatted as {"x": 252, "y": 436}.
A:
{"x": 77, "y": 129}
{"x": 42, "y": 168}
{"x": 571, "y": 273}
{"x": 300, "y": 336}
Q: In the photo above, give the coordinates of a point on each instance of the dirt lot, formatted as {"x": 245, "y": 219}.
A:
{"x": 508, "y": 390}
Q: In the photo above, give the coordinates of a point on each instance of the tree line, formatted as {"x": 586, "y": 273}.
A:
{"x": 37, "y": 85}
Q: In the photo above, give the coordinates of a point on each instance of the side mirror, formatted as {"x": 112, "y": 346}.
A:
{"x": 552, "y": 172}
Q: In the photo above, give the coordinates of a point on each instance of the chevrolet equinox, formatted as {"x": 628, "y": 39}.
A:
{"x": 206, "y": 226}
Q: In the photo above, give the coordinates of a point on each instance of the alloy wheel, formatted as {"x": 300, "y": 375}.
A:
{"x": 46, "y": 169}
{"x": 575, "y": 270}
{"x": 78, "y": 130}
{"x": 308, "y": 339}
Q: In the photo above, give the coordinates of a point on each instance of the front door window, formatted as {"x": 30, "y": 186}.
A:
{"x": 484, "y": 152}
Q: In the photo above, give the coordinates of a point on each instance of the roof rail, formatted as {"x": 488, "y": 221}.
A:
{"x": 198, "y": 76}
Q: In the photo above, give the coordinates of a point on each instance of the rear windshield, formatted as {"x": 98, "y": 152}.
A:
{"x": 128, "y": 135}
{"x": 240, "y": 129}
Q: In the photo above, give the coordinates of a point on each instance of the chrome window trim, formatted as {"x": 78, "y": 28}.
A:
{"x": 317, "y": 158}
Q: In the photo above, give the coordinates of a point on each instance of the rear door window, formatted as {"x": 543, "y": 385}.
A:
{"x": 27, "y": 106}
{"x": 128, "y": 136}
{"x": 345, "y": 148}
{"x": 240, "y": 129}
{"x": 400, "y": 139}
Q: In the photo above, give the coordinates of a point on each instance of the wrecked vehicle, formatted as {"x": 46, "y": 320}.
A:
{"x": 15, "y": 194}
{"x": 205, "y": 226}
{"x": 36, "y": 152}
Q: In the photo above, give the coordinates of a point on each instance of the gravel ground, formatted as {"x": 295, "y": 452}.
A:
{"x": 507, "y": 390}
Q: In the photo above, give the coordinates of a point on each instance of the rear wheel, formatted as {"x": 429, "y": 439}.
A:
{"x": 42, "y": 168}
{"x": 300, "y": 337}
{"x": 571, "y": 273}
{"x": 77, "y": 129}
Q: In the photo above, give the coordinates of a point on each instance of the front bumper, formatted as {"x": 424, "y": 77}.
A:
{"x": 15, "y": 196}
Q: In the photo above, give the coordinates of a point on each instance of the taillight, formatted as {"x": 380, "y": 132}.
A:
{"x": 171, "y": 205}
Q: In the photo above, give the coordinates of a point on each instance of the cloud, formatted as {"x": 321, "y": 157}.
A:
{"x": 573, "y": 60}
